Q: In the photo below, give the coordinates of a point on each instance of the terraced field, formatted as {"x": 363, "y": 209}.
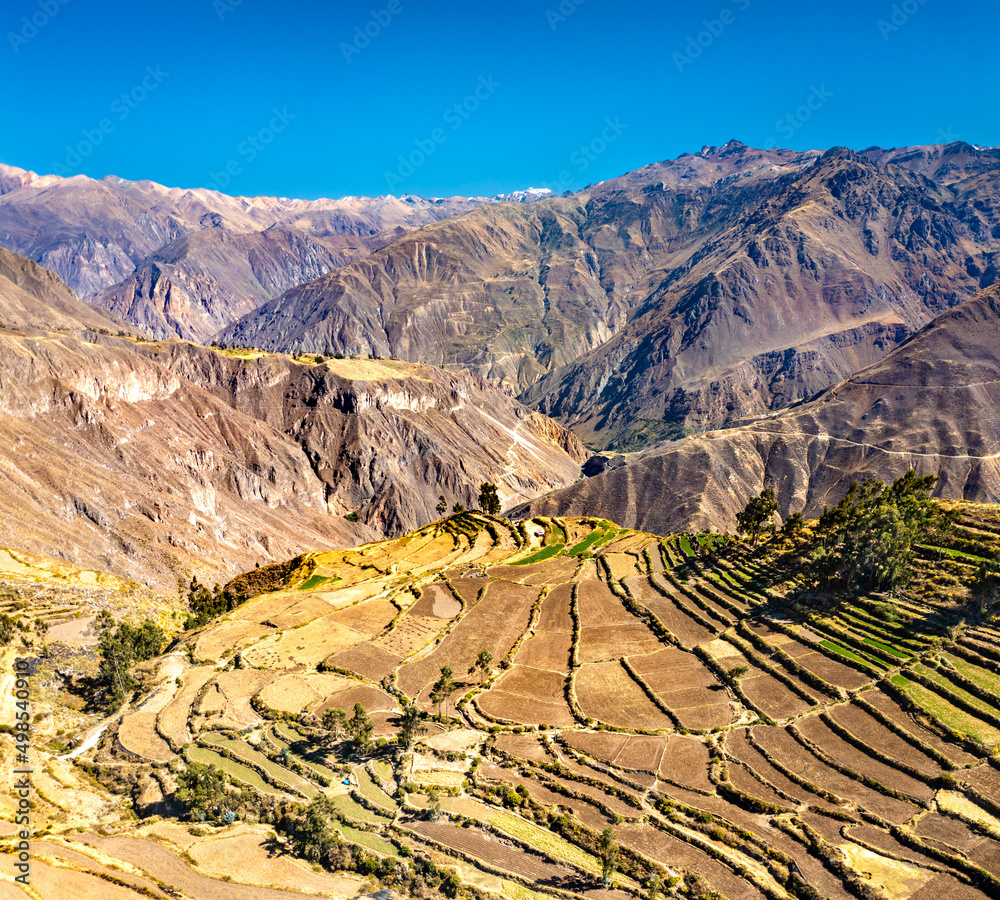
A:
{"x": 672, "y": 689}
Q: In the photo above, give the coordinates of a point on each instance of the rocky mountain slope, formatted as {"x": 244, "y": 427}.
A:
{"x": 932, "y": 405}
{"x": 114, "y": 242}
{"x": 155, "y": 460}
{"x": 686, "y": 294}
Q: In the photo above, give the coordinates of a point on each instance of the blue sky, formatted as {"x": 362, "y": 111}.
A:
{"x": 310, "y": 99}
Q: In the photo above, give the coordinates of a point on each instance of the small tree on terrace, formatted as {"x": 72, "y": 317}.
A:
{"x": 202, "y": 789}
{"x": 360, "y": 728}
{"x": 758, "y": 511}
{"x": 410, "y": 725}
{"x": 482, "y": 663}
{"x": 607, "y": 850}
{"x": 335, "y": 723}
{"x": 443, "y": 689}
{"x": 489, "y": 499}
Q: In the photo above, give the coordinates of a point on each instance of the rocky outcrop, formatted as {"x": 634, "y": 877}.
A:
{"x": 932, "y": 405}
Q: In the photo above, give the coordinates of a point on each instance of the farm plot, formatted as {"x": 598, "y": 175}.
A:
{"x": 523, "y": 746}
{"x": 547, "y": 650}
{"x": 244, "y": 753}
{"x": 494, "y": 852}
{"x": 608, "y": 630}
{"x": 772, "y": 697}
{"x": 494, "y": 624}
{"x": 371, "y": 698}
{"x": 688, "y": 631}
{"x": 829, "y": 670}
{"x": 669, "y": 851}
{"x": 951, "y": 716}
{"x": 226, "y": 701}
{"x": 173, "y": 718}
{"x": 864, "y": 727}
{"x": 305, "y": 647}
{"x": 297, "y": 693}
{"x": 228, "y": 637}
{"x": 602, "y": 745}
{"x": 469, "y": 589}
{"x": 607, "y": 693}
{"x": 902, "y": 719}
{"x": 622, "y": 565}
{"x": 846, "y": 754}
{"x": 167, "y": 867}
{"x": 808, "y": 767}
{"x": 554, "y": 614}
{"x": 245, "y": 856}
{"x": 137, "y": 735}
{"x": 282, "y": 609}
{"x": 410, "y": 634}
{"x": 530, "y": 696}
{"x": 683, "y": 684}
{"x": 234, "y": 769}
{"x": 367, "y": 660}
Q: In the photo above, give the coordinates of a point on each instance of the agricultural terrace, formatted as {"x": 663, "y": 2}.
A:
{"x": 740, "y": 736}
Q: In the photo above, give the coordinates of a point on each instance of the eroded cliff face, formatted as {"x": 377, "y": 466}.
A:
{"x": 117, "y": 463}
{"x": 387, "y": 438}
{"x": 932, "y": 405}
{"x": 157, "y": 460}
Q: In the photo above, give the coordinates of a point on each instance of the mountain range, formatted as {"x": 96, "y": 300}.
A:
{"x": 186, "y": 263}
{"x": 685, "y": 295}
{"x": 732, "y": 318}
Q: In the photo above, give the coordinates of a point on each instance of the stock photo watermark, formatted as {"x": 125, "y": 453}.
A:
{"x": 46, "y": 12}
{"x": 250, "y": 148}
{"x": 22, "y": 769}
{"x": 587, "y": 154}
{"x": 555, "y": 17}
{"x": 454, "y": 117}
{"x": 224, "y": 8}
{"x": 364, "y": 35}
{"x": 790, "y": 123}
{"x": 121, "y": 108}
{"x": 698, "y": 43}
{"x": 901, "y": 13}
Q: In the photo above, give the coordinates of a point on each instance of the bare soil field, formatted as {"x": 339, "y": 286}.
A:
{"x": 547, "y": 650}
{"x": 494, "y": 625}
{"x": 774, "y": 698}
{"x": 606, "y": 693}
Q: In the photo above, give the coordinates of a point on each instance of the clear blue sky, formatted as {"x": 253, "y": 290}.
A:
{"x": 551, "y": 76}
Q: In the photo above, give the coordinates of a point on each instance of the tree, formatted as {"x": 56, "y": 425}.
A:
{"x": 443, "y": 689}
{"x": 756, "y": 513}
{"x": 607, "y": 850}
{"x": 442, "y": 506}
{"x": 867, "y": 539}
{"x": 335, "y": 722}
{"x": 482, "y": 663}
{"x": 458, "y": 508}
{"x": 794, "y": 526}
{"x": 489, "y": 499}
{"x": 984, "y": 592}
{"x": 120, "y": 649}
{"x": 311, "y": 834}
{"x": 360, "y": 728}
{"x": 410, "y": 725}
{"x": 202, "y": 790}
